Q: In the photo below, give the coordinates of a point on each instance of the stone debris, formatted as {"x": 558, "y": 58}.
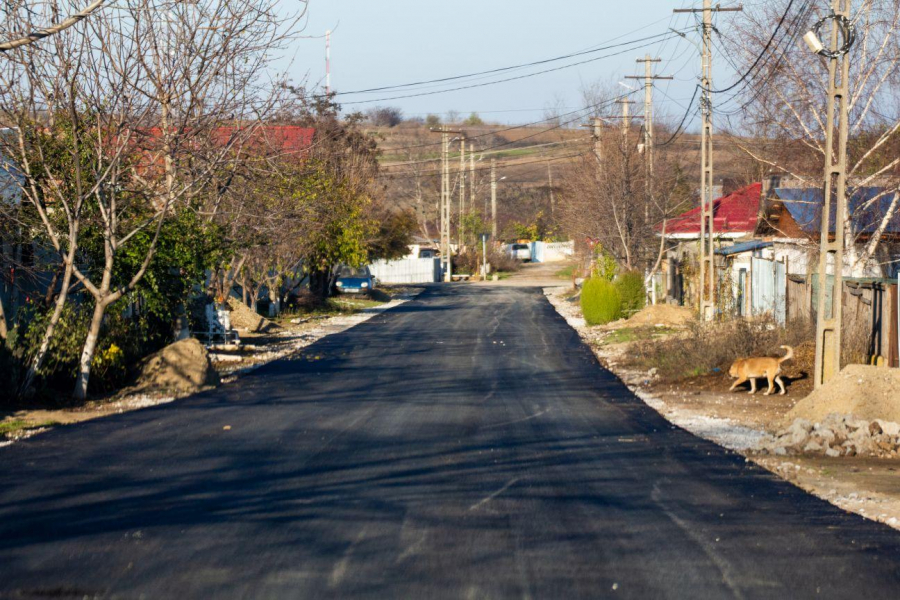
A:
{"x": 836, "y": 435}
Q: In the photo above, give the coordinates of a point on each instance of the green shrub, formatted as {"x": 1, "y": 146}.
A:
{"x": 600, "y": 301}
{"x": 631, "y": 291}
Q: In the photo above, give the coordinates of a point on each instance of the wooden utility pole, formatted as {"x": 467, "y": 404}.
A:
{"x": 831, "y": 251}
{"x": 446, "y": 256}
{"x": 494, "y": 200}
{"x": 707, "y": 297}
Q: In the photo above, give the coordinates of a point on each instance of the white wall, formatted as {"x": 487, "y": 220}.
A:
{"x": 407, "y": 270}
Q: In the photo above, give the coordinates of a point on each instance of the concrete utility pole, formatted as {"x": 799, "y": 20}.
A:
{"x": 829, "y": 311}
{"x": 648, "y": 126}
{"x": 472, "y": 177}
{"x": 494, "y": 200}
{"x": 598, "y": 143}
{"x": 550, "y": 183}
{"x": 328, "y": 62}
{"x": 707, "y": 298}
{"x": 446, "y": 258}
{"x": 462, "y": 192}
{"x": 626, "y": 118}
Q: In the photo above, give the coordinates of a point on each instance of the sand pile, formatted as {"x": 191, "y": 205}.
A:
{"x": 180, "y": 368}
{"x": 662, "y": 314}
{"x": 244, "y": 318}
{"x": 836, "y": 435}
{"x": 863, "y": 391}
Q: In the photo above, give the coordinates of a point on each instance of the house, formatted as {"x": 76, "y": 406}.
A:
{"x": 769, "y": 232}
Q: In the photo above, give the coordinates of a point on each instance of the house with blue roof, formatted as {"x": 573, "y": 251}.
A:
{"x": 781, "y": 223}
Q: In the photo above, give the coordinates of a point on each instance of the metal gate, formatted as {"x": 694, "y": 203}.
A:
{"x": 767, "y": 288}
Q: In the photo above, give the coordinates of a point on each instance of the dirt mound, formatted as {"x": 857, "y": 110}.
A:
{"x": 244, "y": 318}
{"x": 180, "y": 368}
{"x": 864, "y": 391}
{"x": 662, "y": 314}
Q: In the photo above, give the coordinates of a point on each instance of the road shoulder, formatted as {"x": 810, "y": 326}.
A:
{"x": 742, "y": 423}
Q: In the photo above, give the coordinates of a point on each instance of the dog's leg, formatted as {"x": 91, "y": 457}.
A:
{"x": 771, "y": 387}
{"x": 752, "y": 385}
{"x": 780, "y": 383}
{"x": 738, "y": 382}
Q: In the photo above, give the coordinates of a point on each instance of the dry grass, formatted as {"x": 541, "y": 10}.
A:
{"x": 710, "y": 347}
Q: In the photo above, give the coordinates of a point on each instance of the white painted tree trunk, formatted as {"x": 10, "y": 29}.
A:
{"x": 87, "y": 352}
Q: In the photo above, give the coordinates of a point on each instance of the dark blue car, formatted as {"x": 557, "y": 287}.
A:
{"x": 355, "y": 280}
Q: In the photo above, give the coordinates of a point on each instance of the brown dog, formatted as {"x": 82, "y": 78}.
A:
{"x": 751, "y": 368}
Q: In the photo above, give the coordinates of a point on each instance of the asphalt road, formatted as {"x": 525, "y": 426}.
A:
{"x": 463, "y": 445}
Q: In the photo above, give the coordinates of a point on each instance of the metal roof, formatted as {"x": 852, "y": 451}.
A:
{"x": 743, "y": 247}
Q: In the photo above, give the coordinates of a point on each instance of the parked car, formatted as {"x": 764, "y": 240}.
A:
{"x": 520, "y": 252}
{"x": 355, "y": 280}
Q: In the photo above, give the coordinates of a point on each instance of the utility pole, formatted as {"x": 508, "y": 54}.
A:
{"x": 626, "y": 118}
{"x": 494, "y": 200}
{"x": 549, "y": 183}
{"x": 831, "y": 251}
{"x": 446, "y": 258}
{"x": 462, "y": 191}
{"x": 707, "y": 298}
{"x": 598, "y": 143}
{"x": 328, "y": 63}
{"x": 648, "y": 126}
{"x": 472, "y": 177}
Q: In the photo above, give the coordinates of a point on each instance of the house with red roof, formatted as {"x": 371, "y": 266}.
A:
{"x": 767, "y": 233}
{"x": 734, "y": 217}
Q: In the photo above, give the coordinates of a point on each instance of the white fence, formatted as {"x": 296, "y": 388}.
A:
{"x": 551, "y": 251}
{"x": 407, "y": 270}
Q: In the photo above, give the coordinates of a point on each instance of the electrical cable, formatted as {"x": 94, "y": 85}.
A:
{"x": 683, "y": 119}
{"x": 508, "y": 79}
{"x": 502, "y": 69}
{"x": 559, "y": 125}
{"x": 765, "y": 50}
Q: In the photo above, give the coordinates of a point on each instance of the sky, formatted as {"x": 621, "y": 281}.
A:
{"x": 393, "y": 42}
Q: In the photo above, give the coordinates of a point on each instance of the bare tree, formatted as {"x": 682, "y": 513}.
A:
{"x": 40, "y": 34}
{"x": 786, "y": 103}
{"x": 122, "y": 119}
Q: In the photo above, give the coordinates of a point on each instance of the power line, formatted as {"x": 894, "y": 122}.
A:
{"x": 559, "y": 125}
{"x": 683, "y": 119}
{"x": 765, "y": 50}
{"x": 508, "y": 79}
{"x": 502, "y": 69}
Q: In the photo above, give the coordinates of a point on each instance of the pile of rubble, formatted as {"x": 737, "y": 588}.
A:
{"x": 836, "y": 435}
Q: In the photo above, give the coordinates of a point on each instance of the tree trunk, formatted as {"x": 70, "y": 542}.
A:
{"x": 3, "y": 326}
{"x": 38, "y": 361}
{"x": 87, "y": 353}
{"x": 319, "y": 283}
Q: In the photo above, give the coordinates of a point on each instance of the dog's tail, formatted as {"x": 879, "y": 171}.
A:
{"x": 788, "y": 356}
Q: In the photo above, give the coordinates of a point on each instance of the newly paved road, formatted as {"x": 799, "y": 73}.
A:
{"x": 465, "y": 445}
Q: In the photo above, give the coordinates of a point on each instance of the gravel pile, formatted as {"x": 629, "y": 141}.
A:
{"x": 836, "y": 435}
